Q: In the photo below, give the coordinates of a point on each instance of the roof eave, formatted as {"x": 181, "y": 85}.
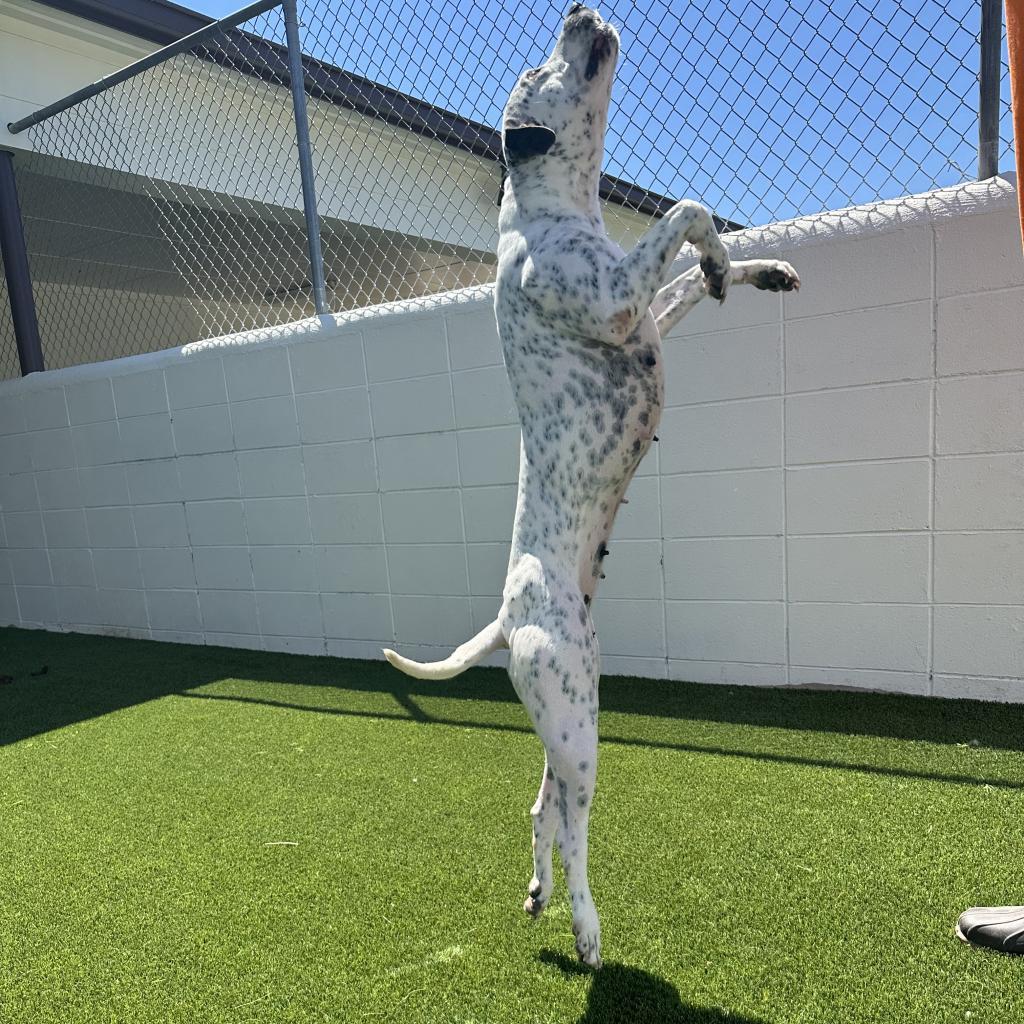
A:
{"x": 162, "y": 22}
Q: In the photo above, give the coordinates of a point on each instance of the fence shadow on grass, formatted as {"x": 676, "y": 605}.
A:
{"x": 51, "y": 680}
{"x": 413, "y": 712}
{"x": 89, "y": 676}
{"x": 889, "y": 716}
{"x": 620, "y": 994}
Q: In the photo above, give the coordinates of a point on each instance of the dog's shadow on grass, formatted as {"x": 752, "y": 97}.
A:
{"x": 620, "y": 994}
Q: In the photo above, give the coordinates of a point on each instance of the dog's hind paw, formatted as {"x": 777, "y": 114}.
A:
{"x": 777, "y": 277}
{"x": 537, "y": 899}
{"x": 588, "y": 942}
{"x": 588, "y": 949}
{"x": 534, "y": 906}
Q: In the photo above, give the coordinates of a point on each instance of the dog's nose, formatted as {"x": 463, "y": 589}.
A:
{"x": 581, "y": 14}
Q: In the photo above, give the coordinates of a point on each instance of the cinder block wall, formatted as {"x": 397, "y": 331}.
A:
{"x": 837, "y": 498}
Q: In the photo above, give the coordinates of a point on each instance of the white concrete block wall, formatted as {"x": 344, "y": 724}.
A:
{"x": 837, "y": 498}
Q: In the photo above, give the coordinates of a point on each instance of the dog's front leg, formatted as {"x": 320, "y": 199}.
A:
{"x": 592, "y": 291}
{"x": 679, "y": 296}
{"x": 636, "y": 281}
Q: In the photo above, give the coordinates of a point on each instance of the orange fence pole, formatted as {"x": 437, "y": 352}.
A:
{"x": 1015, "y": 42}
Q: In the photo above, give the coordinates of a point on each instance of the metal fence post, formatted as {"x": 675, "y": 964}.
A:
{"x": 988, "y": 88}
{"x": 19, "y": 280}
{"x": 298, "y": 86}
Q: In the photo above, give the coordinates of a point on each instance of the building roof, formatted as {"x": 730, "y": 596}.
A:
{"x": 162, "y": 22}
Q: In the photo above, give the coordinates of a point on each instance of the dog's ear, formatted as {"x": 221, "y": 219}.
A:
{"x": 525, "y": 140}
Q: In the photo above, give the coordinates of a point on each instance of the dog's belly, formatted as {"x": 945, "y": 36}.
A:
{"x": 589, "y": 413}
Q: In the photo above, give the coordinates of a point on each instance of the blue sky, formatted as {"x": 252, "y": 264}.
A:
{"x": 759, "y": 108}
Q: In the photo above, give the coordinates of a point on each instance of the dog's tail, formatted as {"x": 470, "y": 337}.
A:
{"x": 487, "y": 641}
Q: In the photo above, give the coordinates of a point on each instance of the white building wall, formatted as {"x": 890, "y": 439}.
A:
{"x": 837, "y": 497}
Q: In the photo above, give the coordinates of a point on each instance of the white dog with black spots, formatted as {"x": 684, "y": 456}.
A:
{"x": 581, "y": 324}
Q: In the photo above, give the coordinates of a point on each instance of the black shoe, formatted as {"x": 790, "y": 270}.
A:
{"x": 1000, "y": 928}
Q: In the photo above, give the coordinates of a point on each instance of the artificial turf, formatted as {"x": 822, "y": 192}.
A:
{"x": 213, "y": 835}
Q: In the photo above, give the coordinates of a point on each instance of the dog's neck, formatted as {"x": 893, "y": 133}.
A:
{"x": 542, "y": 187}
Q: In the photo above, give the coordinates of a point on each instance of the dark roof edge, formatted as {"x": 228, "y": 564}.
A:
{"x": 156, "y": 20}
{"x": 162, "y": 22}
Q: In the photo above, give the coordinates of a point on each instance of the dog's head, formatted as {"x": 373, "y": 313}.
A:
{"x": 560, "y": 109}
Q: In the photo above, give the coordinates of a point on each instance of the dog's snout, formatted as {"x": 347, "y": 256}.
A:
{"x": 580, "y": 14}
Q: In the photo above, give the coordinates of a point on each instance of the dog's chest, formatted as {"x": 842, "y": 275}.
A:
{"x": 588, "y": 410}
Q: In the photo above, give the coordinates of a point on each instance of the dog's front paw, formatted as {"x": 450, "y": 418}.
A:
{"x": 715, "y": 267}
{"x": 777, "y": 276}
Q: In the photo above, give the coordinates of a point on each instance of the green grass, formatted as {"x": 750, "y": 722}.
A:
{"x": 758, "y": 857}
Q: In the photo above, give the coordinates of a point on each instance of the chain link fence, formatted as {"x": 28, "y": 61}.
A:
{"x": 169, "y": 207}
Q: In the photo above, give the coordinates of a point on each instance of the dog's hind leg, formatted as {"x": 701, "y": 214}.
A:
{"x": 545, "y": 821}
{"x": 555, "y": 671}
{"x": 575, "y": 768}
